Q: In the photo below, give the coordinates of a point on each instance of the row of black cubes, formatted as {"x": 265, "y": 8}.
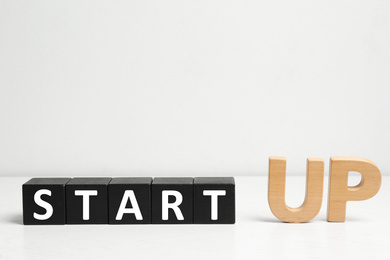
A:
{"x": 68, "y": 208}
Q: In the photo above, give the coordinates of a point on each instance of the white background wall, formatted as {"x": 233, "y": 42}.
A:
{"x": 206, "y": 87}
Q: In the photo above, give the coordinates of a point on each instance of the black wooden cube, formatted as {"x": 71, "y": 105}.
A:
{"x": 44, "y": 201}
{"x": 129, "y": 201}
{"x": 87, "y": 201}
{"x": 172, "y": 201}
{"x": 214, "y": 200}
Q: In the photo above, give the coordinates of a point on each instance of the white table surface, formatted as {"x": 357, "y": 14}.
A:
{"x": 257, "y": 233}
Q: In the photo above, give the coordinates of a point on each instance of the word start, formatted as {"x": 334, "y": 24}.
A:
{"x": 134, "y": 200}
{"x": 201, "y": 200}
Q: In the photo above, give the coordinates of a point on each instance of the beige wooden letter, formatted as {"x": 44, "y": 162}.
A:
{"x": 340, "y": 192}
{"x": 277, "y": 185}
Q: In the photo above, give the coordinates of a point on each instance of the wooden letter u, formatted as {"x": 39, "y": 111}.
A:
{"x": 277, "y": 186}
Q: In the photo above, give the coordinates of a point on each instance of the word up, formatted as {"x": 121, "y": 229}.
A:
{"x": 339, "y": 191}
{"x": 203, "y": 200}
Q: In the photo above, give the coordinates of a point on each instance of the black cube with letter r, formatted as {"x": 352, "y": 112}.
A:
{"x": 172, "y": 200}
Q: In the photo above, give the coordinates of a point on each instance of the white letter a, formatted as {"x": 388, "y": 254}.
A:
{"x": 129, "y": 195}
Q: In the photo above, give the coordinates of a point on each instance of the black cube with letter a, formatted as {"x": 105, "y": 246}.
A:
{"x": 129, "y": 200}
